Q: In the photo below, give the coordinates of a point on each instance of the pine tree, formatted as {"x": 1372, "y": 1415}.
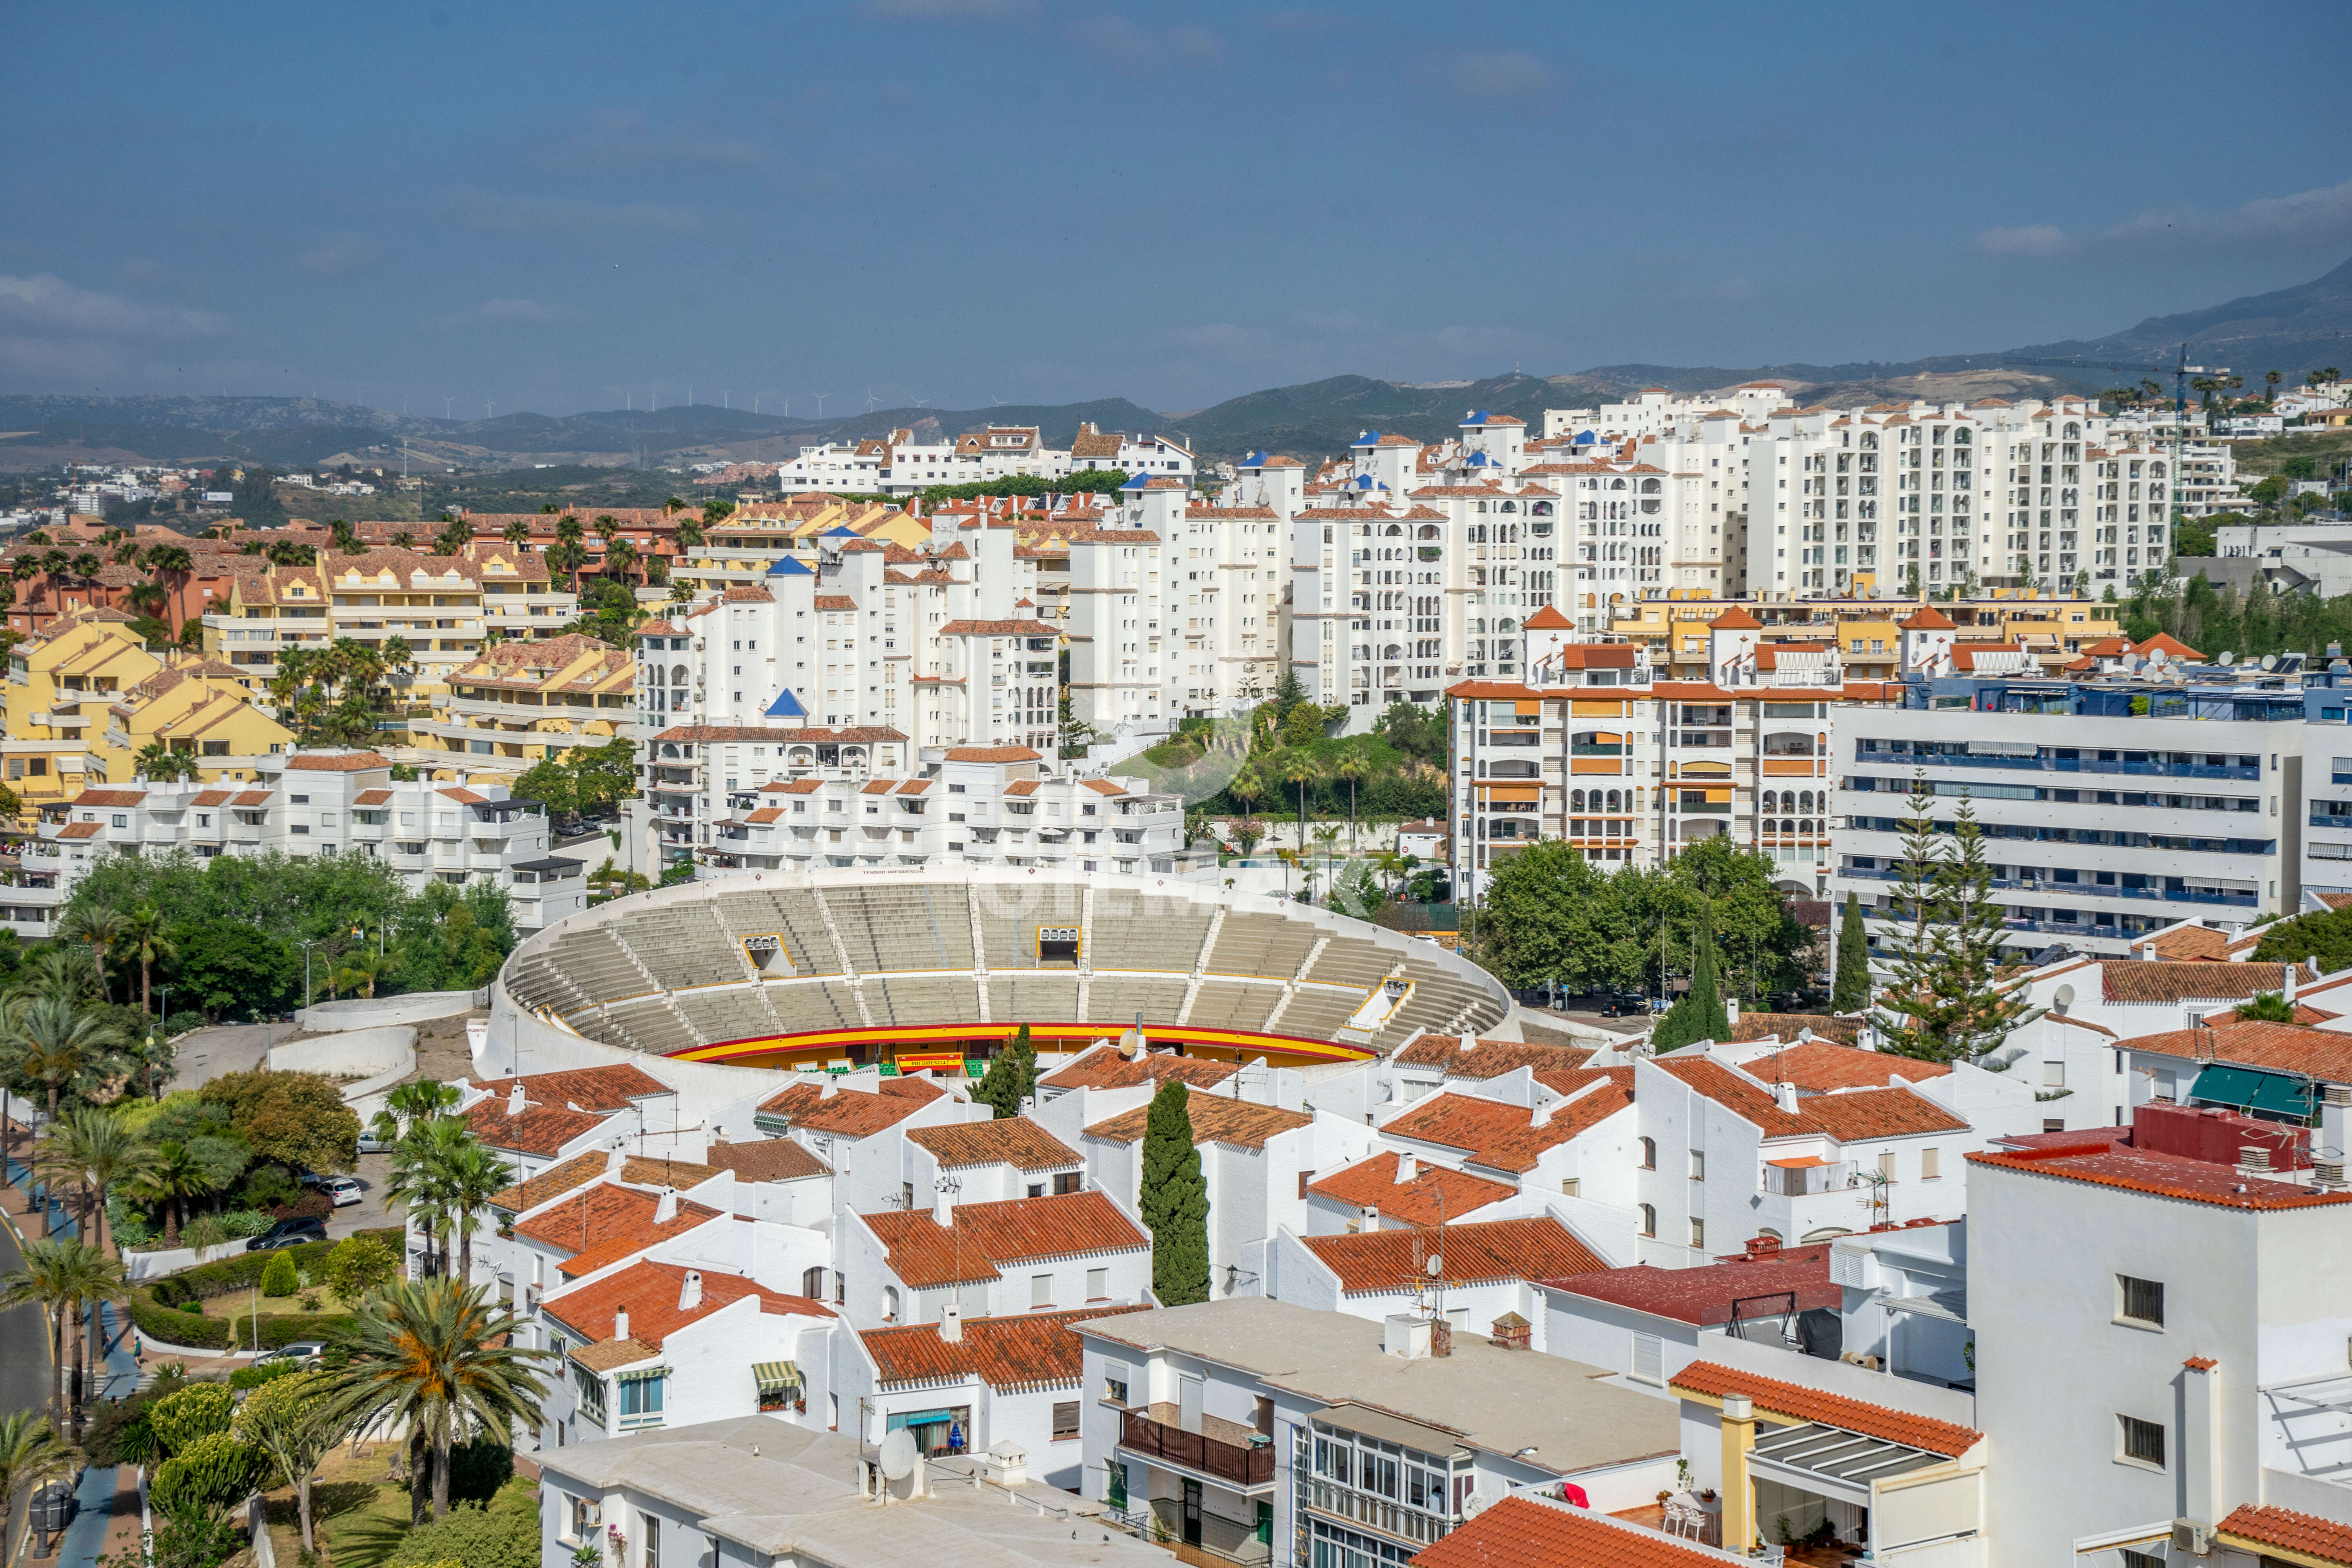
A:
{"x": 1024, "y": 1069}
{"x": 1974, "y": 1012}
{"x": 1011, "y": 1077}
{"x": 1910, "y": 942}
{"x": 1175, "y": 1200}
{"x": 1698, "y": 1014}
{"x": 1852, "y": 992}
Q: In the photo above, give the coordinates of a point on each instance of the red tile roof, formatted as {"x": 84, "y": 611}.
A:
{"x": 1535, "y": 1532}
{"x": 1475, "y": 1253}
{"x": 1216, "y": 1119}
{"x": 542, "y": 1130}
{"x": 1754, "y": 1026}
{"x": 1705, "y": 1295}
{"x": 766, "y": 1159}
{"x": 924, "y": 1253}
{"x": 2154, "y": 980}
{"x": 1857, "y": 1114}
{"x": 1011, "y": 1356}
{"x": 1012, "y": 1140}
{"x": 2323, "y": 1054}
{"x": 590, "y": 1089}
{"x": 649, "y": 1292}
{"x": 1489, "y": 1058}
{"x": 1797, "y": 1403}
{"x": 1102, "y": 1067}
{"x": 994, "y": 754}
{"x": 592, "y": 1221}
{"x": 2107, "y": 1162}
{"x": 850, "y": 1112}
{"x": 338, "y": 763}
{"x": 1503, "y": 1137}
{"x": 1819, "y": 1066}
{"x": 1435, "y": 1194}
{"x": 2304, "y": 1533}
{"x": 582, "y": 1169}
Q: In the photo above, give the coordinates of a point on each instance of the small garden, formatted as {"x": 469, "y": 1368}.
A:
{"x": 267, "y": 1300}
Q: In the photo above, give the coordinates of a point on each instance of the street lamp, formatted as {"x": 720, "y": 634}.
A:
{"x": 307, "y": 946}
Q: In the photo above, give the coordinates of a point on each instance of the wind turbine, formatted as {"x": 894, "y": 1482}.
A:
{"x": 446, "y": 403}
{"x": 870, "y": 400}
{"x": 820, "y": 403}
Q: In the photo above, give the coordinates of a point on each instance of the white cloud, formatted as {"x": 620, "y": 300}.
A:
{"x": 46, "y": 303}
{"x": 339, "y": 254}
{"x": 1497, "y": 73}
{"x": 485, "y": 211}
{"x": 2320, "y": 217}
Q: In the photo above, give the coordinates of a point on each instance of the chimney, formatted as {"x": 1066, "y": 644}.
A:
{"x": 2286, "y": 987}
{"x": 1731, "y": 1010}
{"x": 1408, "y": 1168}
{"x": 951, "y": 1323}
{"x": 515, "y": 1101}
{"x": 613, "y": 1160}
{"x": 665, "y": 1206}
{"x": 942, "y": 1205}
{"x": 1762, "y": 1246}
{"x": 1786, "y": 1094}
{"x": 1371, "y": 1218}
{"x": 689, "y": 1294}
{"x": 620, "y": 1322}
{"x": 2147, "y": 952}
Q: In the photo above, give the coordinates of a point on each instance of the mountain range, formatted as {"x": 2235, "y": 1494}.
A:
{"x": 2295, "y": 330}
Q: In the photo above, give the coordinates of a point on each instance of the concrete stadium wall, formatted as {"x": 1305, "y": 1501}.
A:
{"x": 705, "y": 1089}
{"x": 383, "y": 1056}
{"x": 371, "y": 1012}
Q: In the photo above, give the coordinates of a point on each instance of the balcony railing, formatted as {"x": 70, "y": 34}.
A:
{"x": 1139, "y": 1434}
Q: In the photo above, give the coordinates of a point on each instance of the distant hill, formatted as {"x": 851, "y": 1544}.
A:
{"x": 2291, "y": 331}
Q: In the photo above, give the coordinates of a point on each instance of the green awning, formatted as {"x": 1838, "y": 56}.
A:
{"x": 776, "y": 1376}
{"x": 2251, "y": 1088}
{"x": 640, "y": 1374}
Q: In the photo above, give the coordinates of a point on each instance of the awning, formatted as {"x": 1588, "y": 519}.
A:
{"x": 775, "y": 1376}
{"x": 640, "y": 1374}
{"x": 1831, "y": 1462}
{"x": 2251, "y": 1088}
{"x": 921, "y": 1418}
{"x": 2003, "y": 748}
{"x": 1804, "y": 1163}
{"x": 1388, "y": 1429}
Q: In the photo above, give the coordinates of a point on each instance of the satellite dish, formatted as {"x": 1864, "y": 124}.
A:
{"x": 2228, "y": 658}
{"x": 899, "y": 1455}
{"x": 2064, "y": 996}
{"x": 1477, "y": 1503}
{"x": 2270, "y": 661}
{"x": 1436, "y": 1264}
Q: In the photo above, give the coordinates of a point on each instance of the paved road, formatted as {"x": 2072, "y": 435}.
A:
{"x": 208, "y": 1054}
{"x": 24, "y": 1341}
{"x": 371, "y": 1211}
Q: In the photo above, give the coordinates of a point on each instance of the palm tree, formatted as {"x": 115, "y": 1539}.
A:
{"x": 1299, "y": 768}
{"x": 64, "y": 1278}
{"x": 174, "y": 1176}
{"x": 418, "y": 1177}
{"x": 437, "y": 1357}
{"x": 55, "y": 971}
{"x": 53, "y": 1044}
{"x": 1248, "y": 786}
{"x": 1352, "y": 768}
{"x": 412, "y": 1103}
{"x": 357, "y": 974}
{"x": 98, "y": 926}
{"x": 619, "y": 556}
{"x": 517, "y": 531}
{"x": 31, "y": 1455}
{"x": 469, "y": 1177}
{"x": 147, "y": 938}
{"x": 95, "y": 1147}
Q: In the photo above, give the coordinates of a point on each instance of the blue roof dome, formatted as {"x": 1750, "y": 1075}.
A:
{"x": 786, "y": 706}
{"x": 1369, "y": 439}
{"x": 1140, "y": 481}
{"x": 1585, "y": 439}
{"x": 1254, "y": 461}
{"x": 841, "y": 531}
{"x": 1480, "y": 460}
{"x": 788, "y": 567}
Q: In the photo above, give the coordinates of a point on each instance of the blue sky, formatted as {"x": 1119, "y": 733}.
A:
{"x": 552, "y": 207}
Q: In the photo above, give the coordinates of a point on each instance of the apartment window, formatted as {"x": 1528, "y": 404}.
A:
{"x": 2053, "y": 1075}
{"x": 1065, "y": 1421}
{"x": 1115, "y": 1381}
{"x": 1649, "y": 1154}
{"x": 1648, "y": 1360}
{"x": 1304, "y": 1177}
{"x": 1040, "y": 1291}
{"x": 1067, "y": 1182}
{"x": 889, "y": 1303}
{"x": 1567, "y": 1185}
{"x": 1098, "y": 1284}
{"x": 1697, "y": 1165}
{"x": 2140, "y": 1442}
{"x": 2053, "y": 1124}
{"x": 1698, "y": 1231}
{"x": 2139, "y": 1301}
{"x": 1649, "y": 1220}
{"x": 2140, "y": 1559}
{"x": 1931, "y": 1164}
{"x": 840, "y": 1289}
{"x": 1886, "y": 1165}
{"x": 650, "y": 1528}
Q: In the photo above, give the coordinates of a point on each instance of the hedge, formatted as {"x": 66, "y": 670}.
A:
{"x": 289, "y": 1328}
{"x": 175, "y": 1328}
{"x": 237, "y": 1272}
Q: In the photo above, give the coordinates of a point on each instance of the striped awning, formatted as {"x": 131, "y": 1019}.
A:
{"x": 641, "y": 1374}
{"x": 775, "y": 1376}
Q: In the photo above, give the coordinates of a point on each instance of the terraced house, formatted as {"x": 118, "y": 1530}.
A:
{"x": 539, "y": 699}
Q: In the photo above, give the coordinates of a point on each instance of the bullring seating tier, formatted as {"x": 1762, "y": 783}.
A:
{"x": 789, "y": 913}
{"x": 1264, "y": 945}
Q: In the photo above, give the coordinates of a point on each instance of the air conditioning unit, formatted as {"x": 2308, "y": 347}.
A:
{"x": 2253, "y": 1157}
{"x": 2190, "y": 1536}
{"x": 2327, "y": 1172}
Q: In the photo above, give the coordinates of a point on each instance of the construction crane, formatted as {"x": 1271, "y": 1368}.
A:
{"x": 2180, "y": 371}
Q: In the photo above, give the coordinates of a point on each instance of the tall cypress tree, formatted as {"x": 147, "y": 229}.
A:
{"x": 1175, "y": 1200}
{"x": 1011, "y": 1077}
{"x": 1851, "y": 994}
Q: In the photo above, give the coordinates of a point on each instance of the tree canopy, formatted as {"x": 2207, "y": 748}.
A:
{"x": 293, "y": 1118}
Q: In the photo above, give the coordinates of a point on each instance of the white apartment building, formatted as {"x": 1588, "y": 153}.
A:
{"x": 902, "y": 465}
{"x": 2111, "y": 809}
{"x": 305, "y": 803}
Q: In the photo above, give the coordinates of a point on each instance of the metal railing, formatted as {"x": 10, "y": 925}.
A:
{"x": 1139, "y": 1434}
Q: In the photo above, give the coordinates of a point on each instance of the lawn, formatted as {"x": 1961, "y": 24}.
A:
{"x": 360, "y": 1517}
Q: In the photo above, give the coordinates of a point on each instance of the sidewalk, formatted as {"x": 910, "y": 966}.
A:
{"x": 108, "y": 1522}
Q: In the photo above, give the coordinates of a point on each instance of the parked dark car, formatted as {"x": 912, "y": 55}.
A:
{"x": 288, "y": 1233}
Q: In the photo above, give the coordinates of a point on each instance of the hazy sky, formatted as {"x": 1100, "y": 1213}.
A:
{"x": 552, "y": 206}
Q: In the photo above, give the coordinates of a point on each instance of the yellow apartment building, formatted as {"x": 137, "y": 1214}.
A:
{"x": 531, "y": 699}
{"x": 1674, "y": 629}
{"x": 738, "y": 550}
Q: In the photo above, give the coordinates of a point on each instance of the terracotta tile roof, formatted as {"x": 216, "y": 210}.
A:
{"x": 2107, "y": 1164}
{"x": 582, "y": 1169}
{"x": 997, "y": 629}
{"x": 2185, "y": 943}
{"x": 1820, "y": 1066}
{"x": 1216, "y": 1119}
{"x": 765, "y": 1160}
{"x": 1799, "y": 1404}
{"x": 1705, "y": 1295}
{"x": 1503, "y": 1137}
{"x": 1435, "y": 1194}
{"x": 1489, "y": 1058}
{"x": 1102, "y": 1066}
{"x": 849, "y": 1113}
{"x": 1789, "y": 1026}
{"x": 594, "y": 1218}
{"x": 1475, "y": 1253}
{"x": 540, "y": 1130}
{"x": 1009, "y": 1354}
{"x": 339, "y": 763}
{"x": 590, "y": 1089}
{"x": 372, "y": 797}
{"x": 1535, "y": 1532}
{"x": 2306, "y": 1534}
{"x": 254, "y": 797}
{"x": 2322, "y": 1054}
{"x": 993, "y": 755}
{"x": 211, "y": 797}
{"x": 2145, "y": 980}
{"x": 79, "y": 830}
{"x": 1012, "y": 1140}
{"x": 109, "y": 797}
{"x": 606, "y": 1354}
{"x": 925, "y": 1253}
{"x": 1103, "y": 786}
{"x": 649, "y": 1294}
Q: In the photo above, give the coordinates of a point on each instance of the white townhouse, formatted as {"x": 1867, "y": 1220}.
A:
{"x": 957, "y": 1260}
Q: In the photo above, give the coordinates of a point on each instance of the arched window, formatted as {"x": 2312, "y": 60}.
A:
{"x": 1394, "y": 531}
{"x": 1649, "y": 1216}
{"x": 1616, "y": 801}
{"x": 1959, "y": 437}
{"x": 1540, "y": 509}
{"x": 1768, "y": 1230}
{"x": 678, "y": 675}
{"x": 1651, "y": 487}
{"x": 1616, "y": 484}
{"x": 1649, "y": 1154}
{"x": 889, "y": 1303}
{"x": 1428, "y": 531}
{"x": 812, "y": 1283}
{"x": 1576, "y": 800}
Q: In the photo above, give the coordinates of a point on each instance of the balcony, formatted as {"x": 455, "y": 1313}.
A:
{"x": 1241, "y": 1465}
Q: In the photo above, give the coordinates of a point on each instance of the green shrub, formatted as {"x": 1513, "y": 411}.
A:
{"x": 186, "y": 1416}
{"x": 240, "y": 1272}
{"x": 291, "y": 1328}
{"x": 119, "y": 1432}
{"x": 247, "y": 1377}
{"x": 499, "y": 1537}
{"x": 211, "y": 1473}
{"x": 358, "y": 1266}
{"x": 165, "y": 1326}
{"x": 479, "y": 1469}
{"x": 281, "y": 1278}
